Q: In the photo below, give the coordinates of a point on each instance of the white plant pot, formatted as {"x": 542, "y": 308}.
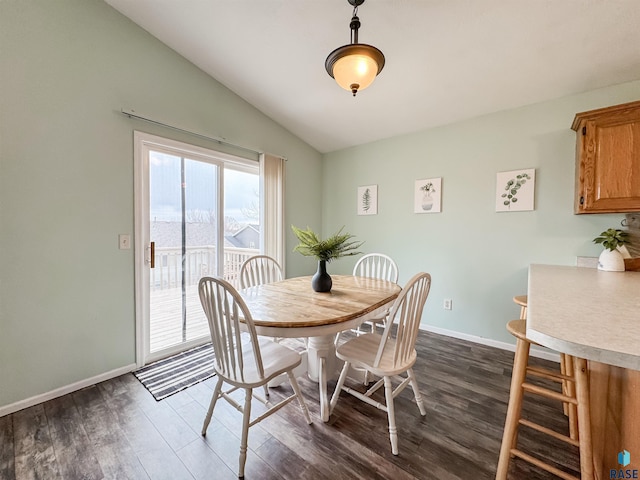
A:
{"x": 623, "y": 250}
{"x": 611, "y": 261}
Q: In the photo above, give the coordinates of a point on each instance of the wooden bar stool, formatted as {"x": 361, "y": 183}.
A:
{"x": 519, "y": 386}
{"x": 565, "y": 366}
{"x": 522, "y": 301}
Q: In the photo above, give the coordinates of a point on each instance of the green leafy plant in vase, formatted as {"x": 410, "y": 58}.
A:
{"x": 336, "y": 246}
{"x": 612, "y": 257}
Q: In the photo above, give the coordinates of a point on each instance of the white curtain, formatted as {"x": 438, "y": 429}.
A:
{"x": 272, "y": 176}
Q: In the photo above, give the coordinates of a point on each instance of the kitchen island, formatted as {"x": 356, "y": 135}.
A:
{"x": 595, "y": 317}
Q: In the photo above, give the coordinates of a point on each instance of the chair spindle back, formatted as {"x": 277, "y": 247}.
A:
{"x": 406, "y": 314}
{"x": 258, "y": 270}
{"x": 377, "y": 265}
{"x": 228, "y": 317}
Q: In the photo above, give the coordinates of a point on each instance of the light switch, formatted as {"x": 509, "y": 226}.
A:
{"x": 124, "y": 241}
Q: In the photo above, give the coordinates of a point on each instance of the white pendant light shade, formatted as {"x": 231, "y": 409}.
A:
{"x": 356, "y": 67}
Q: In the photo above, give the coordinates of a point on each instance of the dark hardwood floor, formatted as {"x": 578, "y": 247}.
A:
{"x": 116, "y": 430}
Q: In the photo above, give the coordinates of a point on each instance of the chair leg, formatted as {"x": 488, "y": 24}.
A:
{"x": 393, "y": 431}
{"x": 416, "y": 391}
{"x": 336, "y": 392}
{"x": 214, "y": 399}
{"x": 296, "y": 389}
{"x": 509, "y": 437}
{"x": 246, "y": 417}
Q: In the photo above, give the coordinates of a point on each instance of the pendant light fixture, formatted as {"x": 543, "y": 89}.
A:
{"x": 355, "y": 66}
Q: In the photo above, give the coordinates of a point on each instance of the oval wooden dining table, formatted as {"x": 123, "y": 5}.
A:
{"x": 291, "y": 309}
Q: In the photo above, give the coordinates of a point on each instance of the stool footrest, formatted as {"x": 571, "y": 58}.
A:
{"x": 548, "y": 431}
{"x": 550, "y": 375}
{"x": 545, "y": 392}
{"x": 538, "y": 463}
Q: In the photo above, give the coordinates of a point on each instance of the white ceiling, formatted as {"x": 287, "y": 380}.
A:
{"x": 446, "y": 60}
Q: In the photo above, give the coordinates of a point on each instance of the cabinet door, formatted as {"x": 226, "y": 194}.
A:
{"x": 609, "y": 163}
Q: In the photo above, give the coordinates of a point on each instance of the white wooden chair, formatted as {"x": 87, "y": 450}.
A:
{"x": 243, "y": 365}
{"x": 376, "y": 265}
{"x": 258, "y": 270}
{"x": 390, "y": 354}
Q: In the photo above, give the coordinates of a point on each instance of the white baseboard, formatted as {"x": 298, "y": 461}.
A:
{"x": 58, "y": 392}
{"x": 536, "y": 351}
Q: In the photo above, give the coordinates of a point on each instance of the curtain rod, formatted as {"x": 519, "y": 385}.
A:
{"x": 132, "y": 113}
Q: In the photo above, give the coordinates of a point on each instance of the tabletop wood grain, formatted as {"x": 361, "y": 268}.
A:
{"x": 293, "y": 303}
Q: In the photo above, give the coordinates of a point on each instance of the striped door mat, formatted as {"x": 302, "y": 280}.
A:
{"x": 171, "y": 375}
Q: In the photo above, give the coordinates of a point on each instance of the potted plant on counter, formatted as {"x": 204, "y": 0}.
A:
{"x": 336, "y": 246}
{"x": 612, "y": 257}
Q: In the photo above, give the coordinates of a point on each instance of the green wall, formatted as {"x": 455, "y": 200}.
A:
{"x": 67, "y": 67}
{"x": 477, "y": 257}
{"x": 66, "y": 190}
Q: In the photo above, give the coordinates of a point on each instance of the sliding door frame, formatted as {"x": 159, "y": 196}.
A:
{"x": 143, "y": 144}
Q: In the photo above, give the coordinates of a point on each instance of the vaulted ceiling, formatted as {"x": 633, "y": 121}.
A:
{"x": 446, "y": 60}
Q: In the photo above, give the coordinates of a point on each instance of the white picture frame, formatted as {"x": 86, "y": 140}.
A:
{"x": 427, "y": 196}
{"x": 515, "y": 190}
{"x": 368, "y": 200}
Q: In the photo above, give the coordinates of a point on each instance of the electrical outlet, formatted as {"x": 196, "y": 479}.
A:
{"x": 124, "y": 241}
{"x": 447, "y": 304}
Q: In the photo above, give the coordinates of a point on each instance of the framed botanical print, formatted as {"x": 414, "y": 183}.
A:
{"x": 368, "y": 200}
{"x": 427, "y": 196}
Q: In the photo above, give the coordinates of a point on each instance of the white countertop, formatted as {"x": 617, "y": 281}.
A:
{"x": 586, "y": 313}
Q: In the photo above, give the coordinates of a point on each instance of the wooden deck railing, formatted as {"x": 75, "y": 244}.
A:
{"x": 167, "y": 328}
{"x": 199, "y": 261}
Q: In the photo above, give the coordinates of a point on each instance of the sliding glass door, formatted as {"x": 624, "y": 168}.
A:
{"x": 198, "y": 215}
{"x": 183, "y": 197}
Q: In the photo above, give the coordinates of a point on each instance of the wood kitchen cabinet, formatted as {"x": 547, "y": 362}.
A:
{"x": 608, "y": 159}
